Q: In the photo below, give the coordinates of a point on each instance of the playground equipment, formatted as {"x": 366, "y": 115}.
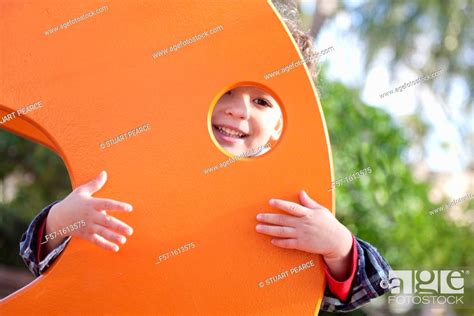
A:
{"x": 128, "y": 88}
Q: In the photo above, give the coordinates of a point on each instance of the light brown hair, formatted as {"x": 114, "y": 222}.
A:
{"x": 290, "y": 15}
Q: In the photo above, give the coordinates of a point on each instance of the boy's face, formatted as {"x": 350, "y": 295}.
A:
{"x": 245, "y": 118}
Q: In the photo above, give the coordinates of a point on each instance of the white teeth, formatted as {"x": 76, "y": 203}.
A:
{"x": 230, "y": 132}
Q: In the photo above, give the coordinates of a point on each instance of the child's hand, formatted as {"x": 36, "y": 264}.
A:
{"x": 309, "y": 227}
{"x": 100, "y": 228}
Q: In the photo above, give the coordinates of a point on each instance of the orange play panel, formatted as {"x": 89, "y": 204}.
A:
{"x": 101, "y": 77}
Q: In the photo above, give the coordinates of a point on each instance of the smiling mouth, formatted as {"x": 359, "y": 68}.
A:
{"x": 229, "y": 132}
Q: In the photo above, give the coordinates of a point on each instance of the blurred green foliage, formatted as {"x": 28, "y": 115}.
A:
{"x": 44, "y": 179}
{"x": 388, "y": 207}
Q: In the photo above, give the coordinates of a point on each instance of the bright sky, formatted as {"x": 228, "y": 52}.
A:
{"x": 446, "y": 151}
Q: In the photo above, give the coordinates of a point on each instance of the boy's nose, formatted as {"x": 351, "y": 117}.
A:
{"x": 239, "y": 109}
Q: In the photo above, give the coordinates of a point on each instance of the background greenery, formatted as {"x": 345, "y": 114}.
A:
{"x": 388, "y": 207}
{"x": 45, "y": 180}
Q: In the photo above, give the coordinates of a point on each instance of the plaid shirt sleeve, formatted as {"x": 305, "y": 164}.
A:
{"x": 29, "y": 246}
{"x": 371, "y": 270}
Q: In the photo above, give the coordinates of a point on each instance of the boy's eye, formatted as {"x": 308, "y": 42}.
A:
{"x": 263, "y": 102}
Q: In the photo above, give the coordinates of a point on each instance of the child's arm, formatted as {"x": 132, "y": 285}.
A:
{"x": 312, "y": 228}
{"x": 371, "y": 270}
{"x": 79, "y": 214}
{"x": 30, "y": 244}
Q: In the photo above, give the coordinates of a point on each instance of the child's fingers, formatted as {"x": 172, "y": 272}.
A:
{"x": 113, "y": 223}
{"x": 103, "y": 243}
{"x": 307, "y": 201}
{"x": 277, "y": 219}
{"x": 277, "y": 231}
{"x": 95, "y": 184}
{"x": 285, "y": 243}
{"x": 289, "y": 207}
{"x": 110, "y": 205}
{"x": 108, "y": 234}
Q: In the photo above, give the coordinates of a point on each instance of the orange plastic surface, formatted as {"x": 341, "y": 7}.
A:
{"x": 96, "y": 80}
